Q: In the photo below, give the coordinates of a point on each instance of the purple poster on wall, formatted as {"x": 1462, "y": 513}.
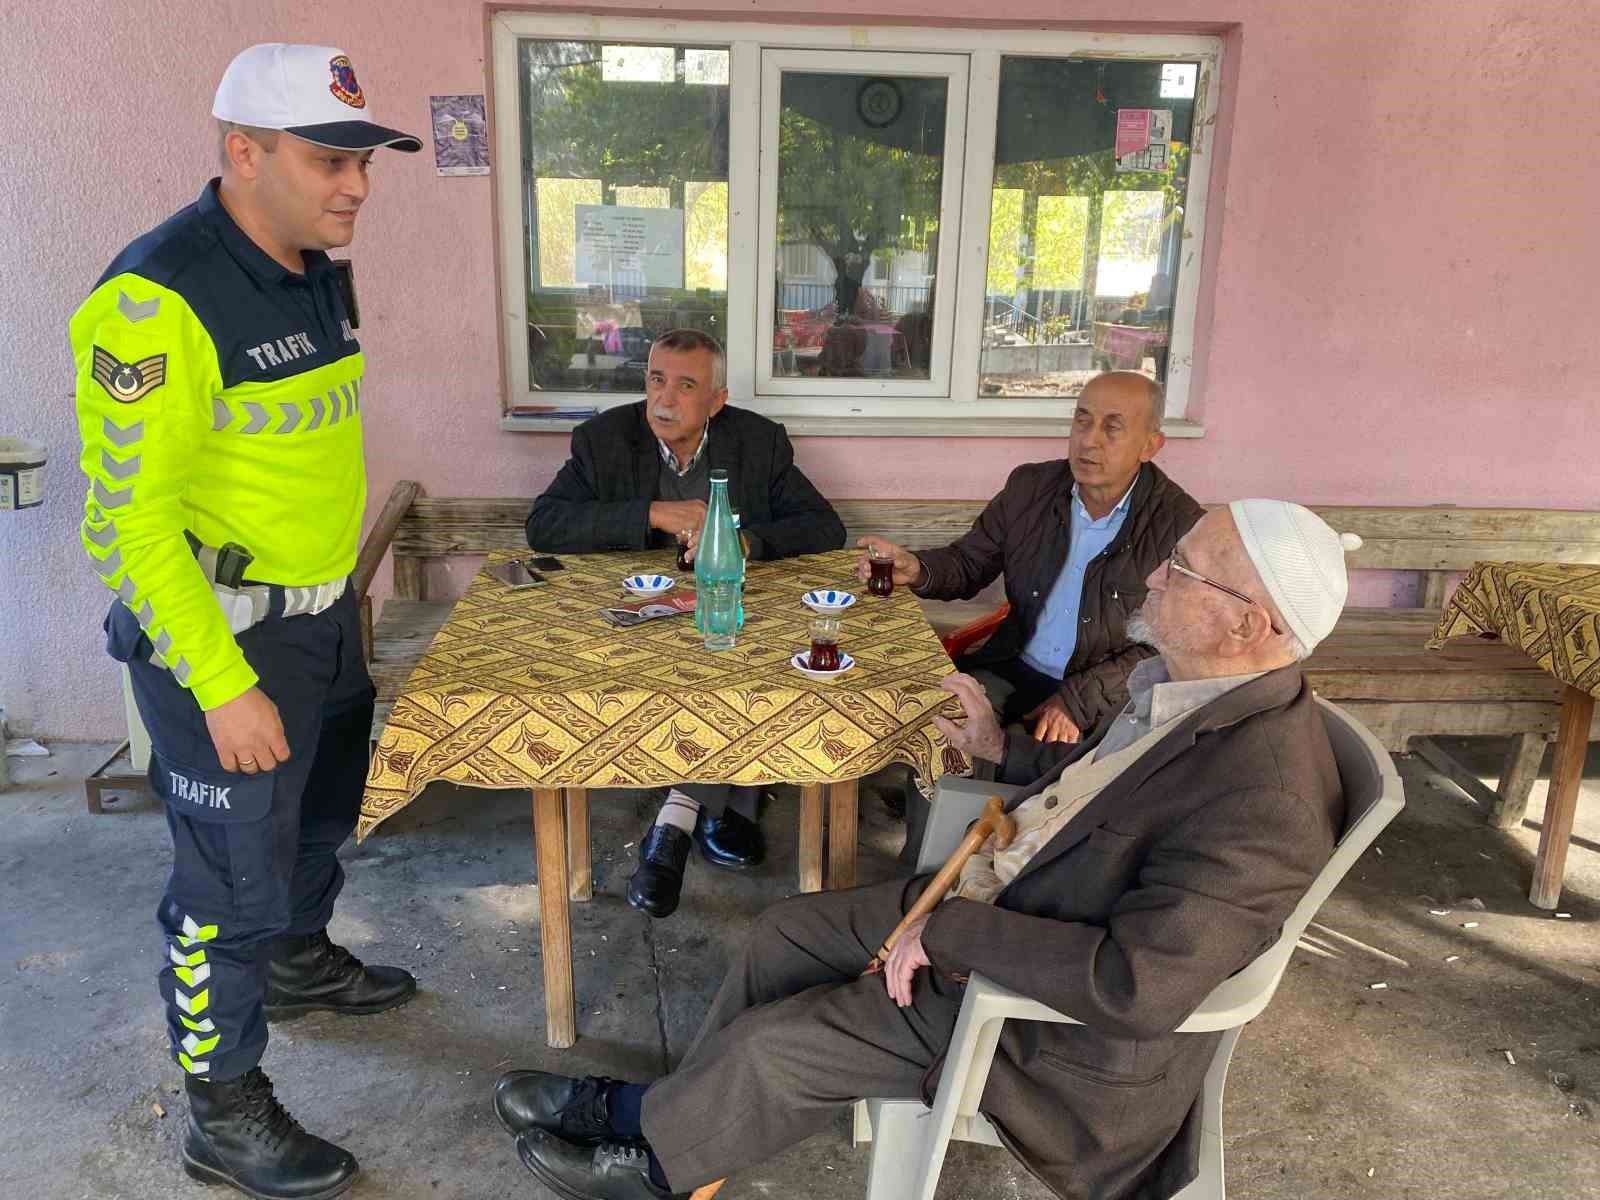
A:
{"x": 460, "y": 135}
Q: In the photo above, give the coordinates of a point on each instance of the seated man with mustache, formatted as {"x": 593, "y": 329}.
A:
{"x": 639, "y": 477}
{"x": 1152, "y": 861}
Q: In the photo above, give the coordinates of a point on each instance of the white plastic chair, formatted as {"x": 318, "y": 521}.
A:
{"x": 909, "y": 1140}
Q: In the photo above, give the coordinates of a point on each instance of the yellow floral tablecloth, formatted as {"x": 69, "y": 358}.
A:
{"x": 1549, "y": 611}
{"x": 532, "y": 688}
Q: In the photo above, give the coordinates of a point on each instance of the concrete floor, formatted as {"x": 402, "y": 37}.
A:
{"x": 1339, "y": 1090}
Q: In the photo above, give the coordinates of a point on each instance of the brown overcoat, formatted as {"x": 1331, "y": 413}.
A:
{"x": 1174, "y": 877}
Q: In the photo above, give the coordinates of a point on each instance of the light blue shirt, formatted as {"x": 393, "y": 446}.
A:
{"x": 1056, "y": 635}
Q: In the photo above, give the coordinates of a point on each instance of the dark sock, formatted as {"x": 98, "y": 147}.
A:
{"x": 623, "y": 1102}
{"x": 657, "y": 1175}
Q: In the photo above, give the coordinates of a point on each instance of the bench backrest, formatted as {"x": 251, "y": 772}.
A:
{"x": 1434, "y": 540}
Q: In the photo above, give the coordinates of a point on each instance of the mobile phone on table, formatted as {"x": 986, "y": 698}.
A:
{"x": 546, "y": 562}
{"x": 515, "y": 574}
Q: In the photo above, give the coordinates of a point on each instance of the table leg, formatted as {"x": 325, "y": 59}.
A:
{"x": 842, "y": 833}
{"x": 580, "y": 862}
{"x": 1572, "y": 745}
{"x": 811, "y": 837}
{"x": 555, "y": 924}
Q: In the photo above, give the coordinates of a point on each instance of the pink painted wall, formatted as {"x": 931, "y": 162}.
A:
{"x": 1398, "y": 306}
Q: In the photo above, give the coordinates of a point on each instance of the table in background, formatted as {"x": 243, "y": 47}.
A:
{"x": 1551, "y": 612}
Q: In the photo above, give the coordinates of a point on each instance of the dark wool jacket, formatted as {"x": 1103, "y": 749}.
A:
{"x": 1174, "y": 877}
{"x": 600, "y": 500}
{"x": 1025, "y": 532}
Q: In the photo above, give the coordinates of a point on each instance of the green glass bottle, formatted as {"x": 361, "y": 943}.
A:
{"x": 719, "y": 570}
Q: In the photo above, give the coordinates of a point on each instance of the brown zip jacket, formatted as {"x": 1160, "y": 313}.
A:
{"x": 1024, "y": 533}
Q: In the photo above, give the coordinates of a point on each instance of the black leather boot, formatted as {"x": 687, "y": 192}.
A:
{"x": 312, "y": 974}
{"x": 240, "y": 1135}
{"x": 657, "y": 881}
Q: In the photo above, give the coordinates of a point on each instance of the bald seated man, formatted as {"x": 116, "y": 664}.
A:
{"x": 1151, "y": 862}
{"x": 1075, "y": 539}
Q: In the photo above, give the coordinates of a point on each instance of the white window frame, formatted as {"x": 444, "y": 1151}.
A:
{"x": 867, "y": 410}
{"x": 823, "y": 394}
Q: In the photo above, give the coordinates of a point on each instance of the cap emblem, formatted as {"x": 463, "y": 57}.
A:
{"x": 344, "y": 84}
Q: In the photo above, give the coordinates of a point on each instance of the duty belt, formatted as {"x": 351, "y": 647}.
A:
{"x": 249, "y": 604}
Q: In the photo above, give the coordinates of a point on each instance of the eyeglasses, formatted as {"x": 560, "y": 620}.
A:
{"x": 1174, "y": 565}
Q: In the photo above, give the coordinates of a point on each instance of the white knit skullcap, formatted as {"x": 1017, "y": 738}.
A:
{"x": 1300, "y": 560}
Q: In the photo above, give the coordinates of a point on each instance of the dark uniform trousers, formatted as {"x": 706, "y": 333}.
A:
{"x": 254, "y": 856}
{"x": 796, "y": 1034}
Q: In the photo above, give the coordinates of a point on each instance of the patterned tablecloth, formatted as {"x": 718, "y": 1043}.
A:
{"x": 1549, "y": 611}
{"x": 534, "y": 689}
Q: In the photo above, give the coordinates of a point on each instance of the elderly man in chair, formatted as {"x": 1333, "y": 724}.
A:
{"x": 1151, "y": 862}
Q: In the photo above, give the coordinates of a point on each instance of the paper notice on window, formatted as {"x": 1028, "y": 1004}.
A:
{"x": 460, "y": 135}
{"x": 629, "y": 247}
{"x": 1143, "y": 137}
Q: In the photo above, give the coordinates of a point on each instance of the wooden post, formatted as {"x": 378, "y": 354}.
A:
{"x": 811, "y": 837}
{"x": 1572, "y": 746}
{"x": 555, "y": 923}
{"x": 1517, "y": 779}
{"x": 580, "y": 862}
{"x": 1435, "y": 590}
{"x": 842, "y": 833}
{"x": 410, "y": 577}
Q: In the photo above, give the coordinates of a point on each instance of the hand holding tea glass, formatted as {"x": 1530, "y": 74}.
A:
{"x": 688, "y": 542}
{"x": 883, "y": 564}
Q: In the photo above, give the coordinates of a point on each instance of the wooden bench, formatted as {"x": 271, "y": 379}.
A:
{"x": 1373, "y": 664}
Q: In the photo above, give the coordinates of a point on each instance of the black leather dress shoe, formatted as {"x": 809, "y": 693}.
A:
{"x": 732, "y": 842}
{"x": 608, "y": 1171}
{"x": 312, "y": 974}
{"x": 574, "y": 1109}
{"x": 657, "y": 881}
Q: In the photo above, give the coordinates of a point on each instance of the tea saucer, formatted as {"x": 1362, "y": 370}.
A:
{"x": 827, "y": 600}
{"x": 647, "y": 586}
{"x": 802, "y": 662}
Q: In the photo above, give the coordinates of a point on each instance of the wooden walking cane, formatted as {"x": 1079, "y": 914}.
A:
{"x": 994, "y": 820}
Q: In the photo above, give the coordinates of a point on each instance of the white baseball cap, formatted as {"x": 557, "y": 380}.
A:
{"x": 309, "y": 91}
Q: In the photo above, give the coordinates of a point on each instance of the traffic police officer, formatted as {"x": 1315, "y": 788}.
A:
{"x": 219, "y": 397}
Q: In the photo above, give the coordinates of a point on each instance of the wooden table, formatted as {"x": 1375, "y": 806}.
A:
{"x": 534, "y": 689}
{"x": 1551, "y": 612}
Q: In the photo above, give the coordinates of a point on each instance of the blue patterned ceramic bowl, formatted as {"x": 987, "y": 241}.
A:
{"x": 646, "y": 586}
{"x": 826, "y": 600}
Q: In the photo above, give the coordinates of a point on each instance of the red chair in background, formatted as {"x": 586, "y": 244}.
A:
{"x": 969, "y": 635}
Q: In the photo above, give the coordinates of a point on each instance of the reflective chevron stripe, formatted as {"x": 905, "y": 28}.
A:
{"x": 104, "y": 537}
{"x": 200, "y": 1045}
{"x": 191, "y": 969}
{"x": 193, "y": 933}
{"x": 193, "y": 976}
{"x": 258, "y": 417}
{"x": 193, "y": 1005}
{"x": 120, "y": 436}
{"x": 191, "y": 1066}
{"x": 109, "y": 499}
